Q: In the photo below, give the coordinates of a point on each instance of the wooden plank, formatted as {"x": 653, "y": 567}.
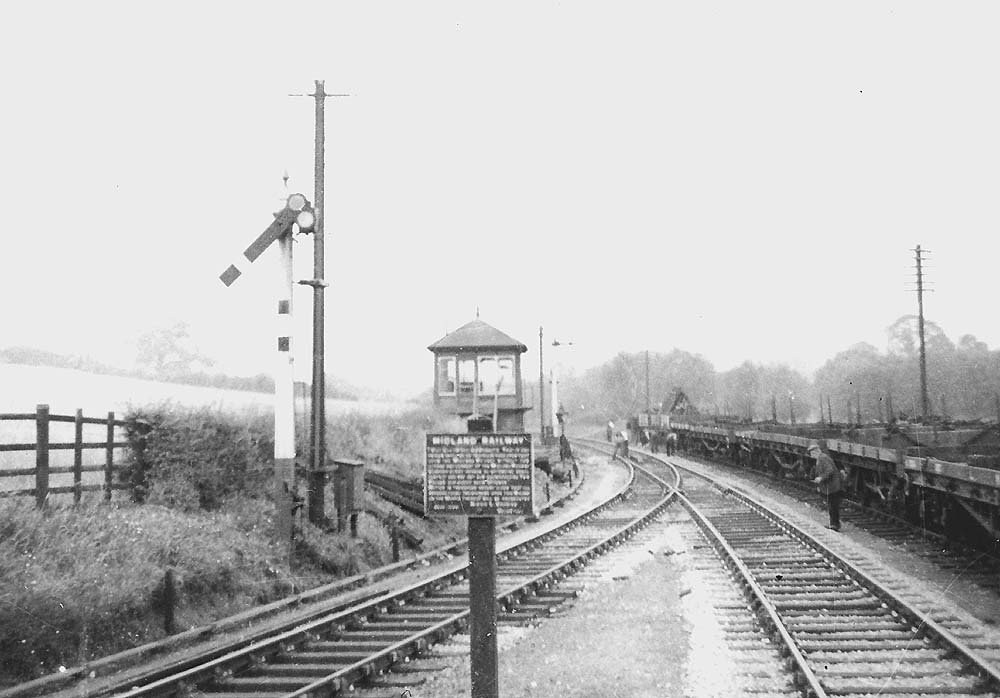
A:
{"x": 41, "y": 454}
{"x": 16, "y": 493}
{"x": 30, "y": 417}
{"x": 78, "y": 458}
{"x": 68, "y": 489}
{"x": 63, "y": 469}
{"x": 19, "y": 447}
{"x": 17, "y": 472}
{"x": 70, "y": 445}
{"x": 109, "y": 455}
{"x": 103, "y": 420}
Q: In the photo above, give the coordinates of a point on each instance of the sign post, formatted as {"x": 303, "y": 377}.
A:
{"x": 481, "y": 476}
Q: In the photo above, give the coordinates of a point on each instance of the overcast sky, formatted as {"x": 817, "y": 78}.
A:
{"x": 741, "y": 180}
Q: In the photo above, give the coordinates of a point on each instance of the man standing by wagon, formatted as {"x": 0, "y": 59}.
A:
{"x": 830, "y": 482}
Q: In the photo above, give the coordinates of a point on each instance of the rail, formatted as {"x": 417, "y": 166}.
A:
{"x": 409, "y": 607}
{"x": 967, "y": 652}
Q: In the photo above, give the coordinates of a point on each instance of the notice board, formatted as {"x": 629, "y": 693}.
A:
{"x": 479, "y": 474}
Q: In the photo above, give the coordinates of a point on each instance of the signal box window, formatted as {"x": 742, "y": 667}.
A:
{"x": 505, "y": 367}
{"x": 466, "y": 376}
{"x": 446, "y": 375}
{"x": 488, "y": 375}
{"x": 496, "y": 375}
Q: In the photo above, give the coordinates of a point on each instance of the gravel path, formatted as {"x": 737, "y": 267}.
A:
{"x": 642, "y": 625}
{"x": 624, "y": 636}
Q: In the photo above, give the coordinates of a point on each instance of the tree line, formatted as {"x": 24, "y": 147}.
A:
{"x": 166, "y": 354}
{"x": 860, "y": 384}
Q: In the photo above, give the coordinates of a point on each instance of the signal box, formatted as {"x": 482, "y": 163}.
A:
{"x": 477, "y": 369}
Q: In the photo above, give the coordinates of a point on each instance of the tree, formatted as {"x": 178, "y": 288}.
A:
{"x": 858, "y": 373}
{"x": 617, "y": 388}
{"x": 168, "y": 352}
{"x": 788, "y": 387}
{"x": 740, "y": 388}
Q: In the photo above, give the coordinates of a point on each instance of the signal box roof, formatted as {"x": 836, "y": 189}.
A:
{"x": 476, "y": 335}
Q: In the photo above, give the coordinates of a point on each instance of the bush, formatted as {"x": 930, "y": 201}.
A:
{"x": 343, "y": 556}
{"x": 392, "y": 442}
{"x": 191, "y": 459}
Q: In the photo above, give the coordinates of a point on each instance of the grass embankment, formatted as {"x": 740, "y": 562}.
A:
{"x": 86, "y": 581}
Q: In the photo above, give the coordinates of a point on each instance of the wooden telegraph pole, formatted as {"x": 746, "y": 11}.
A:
{"x": 920, "y": 254}
{"x": 317, "y": 438}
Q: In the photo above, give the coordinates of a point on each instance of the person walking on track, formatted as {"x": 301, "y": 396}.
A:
{"x": 830, "y": 482}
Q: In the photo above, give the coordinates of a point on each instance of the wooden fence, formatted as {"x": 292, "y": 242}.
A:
{"x": 43, "y": 446}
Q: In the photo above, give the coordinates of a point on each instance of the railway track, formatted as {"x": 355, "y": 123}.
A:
{"x": 331, "y": 652}
{"x": 403, "y": 493}
{"x": 837, "y": 630}
{"x": 982, "y": 567}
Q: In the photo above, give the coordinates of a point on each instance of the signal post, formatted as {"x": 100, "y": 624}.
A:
{"x": 296, "y": 216}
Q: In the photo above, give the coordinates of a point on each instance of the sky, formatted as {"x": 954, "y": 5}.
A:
{"x": 745, "y": 181}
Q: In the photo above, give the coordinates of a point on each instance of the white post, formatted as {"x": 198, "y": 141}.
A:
{"x": 554, "y": 421}
{"x": 284, "y": 401}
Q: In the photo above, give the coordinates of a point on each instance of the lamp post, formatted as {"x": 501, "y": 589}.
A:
{"x": 543, "y": 432}
{"x": 554, "y": 381}
{"x": 541, "y": 387}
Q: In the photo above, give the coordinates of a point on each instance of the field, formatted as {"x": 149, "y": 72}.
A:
{"x": 66, "y": 390}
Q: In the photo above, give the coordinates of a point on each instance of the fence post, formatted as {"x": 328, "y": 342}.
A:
{"x": 169, "y": 602}
{"x": 395, "y": 541}
{"x": 78, "y": 458}
{"x": 109, "y": 459}
{"x": 41, "y": 454}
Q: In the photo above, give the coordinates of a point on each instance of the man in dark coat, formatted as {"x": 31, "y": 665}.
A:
{"x": 830, "y": 483}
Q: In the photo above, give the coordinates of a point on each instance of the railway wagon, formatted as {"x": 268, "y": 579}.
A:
{"x": 652, "y": 429}
{"x": 957, "y": 499}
